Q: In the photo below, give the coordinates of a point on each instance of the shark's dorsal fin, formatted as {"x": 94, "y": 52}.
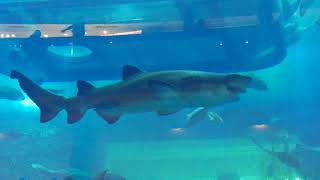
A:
{"x": 84, "y": 88}
{"x": 129, "y": 71}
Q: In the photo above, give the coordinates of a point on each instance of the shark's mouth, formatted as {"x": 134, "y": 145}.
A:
{"x": 236, "y": 89}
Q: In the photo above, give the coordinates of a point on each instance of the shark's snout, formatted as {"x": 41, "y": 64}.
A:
{"x": 257, "y": 84}
{"x": 237, "y": 84}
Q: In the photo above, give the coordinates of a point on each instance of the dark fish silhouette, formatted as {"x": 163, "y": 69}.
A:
{"x": 105, "y": 175}
{"x": 286, "y": 158}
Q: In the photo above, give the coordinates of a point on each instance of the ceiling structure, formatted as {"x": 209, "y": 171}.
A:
{"x": 150, "y": 32}
{"x": 20, "y": 18}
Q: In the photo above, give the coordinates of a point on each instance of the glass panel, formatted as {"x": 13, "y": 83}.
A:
{"x": 159, "y": 90}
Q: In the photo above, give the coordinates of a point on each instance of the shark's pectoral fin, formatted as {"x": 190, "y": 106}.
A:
{"x": 167, "y": 112}
{"x": 110, "y": 117}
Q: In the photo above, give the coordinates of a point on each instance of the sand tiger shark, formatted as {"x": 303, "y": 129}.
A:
{"x": 164, "y": 92}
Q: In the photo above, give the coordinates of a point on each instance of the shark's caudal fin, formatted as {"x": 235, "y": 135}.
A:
{"x": 50, "y": 104}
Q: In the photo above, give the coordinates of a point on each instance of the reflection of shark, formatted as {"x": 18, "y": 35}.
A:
{"x": 10, "y": 93}
{"x": 304, "y": 6}
{"x": 285, "y": 157}
{"x": 104, "y": 175}
{"x": 165, "y": 92}
{"x": 59, "y": 172}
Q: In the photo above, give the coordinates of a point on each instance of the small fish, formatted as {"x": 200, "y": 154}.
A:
{"x": 111, "y": 176}
{"x": 215, "y": 118}
{"x": 197, "y": 115}
{"x": 6, "y": 136}
{"x": 260, "y": 127}
{"x": 11, "y": 93}
{"x": 177, "y": 131}
{"x": 200, "y": 114}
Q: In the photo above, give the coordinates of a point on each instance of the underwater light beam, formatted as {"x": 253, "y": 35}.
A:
{"x": 28, "y": 103}
{"x": 70, "y": 51}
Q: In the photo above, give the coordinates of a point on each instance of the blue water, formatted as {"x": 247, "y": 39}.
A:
{"x": 283, "y": 118}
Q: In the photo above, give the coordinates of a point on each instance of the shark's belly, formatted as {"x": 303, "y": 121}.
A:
{"x": 163, "y": 105}
{"x": 150, "y": 105}
{"x": 203, "y": 100}
{"x": 146, "y": 101}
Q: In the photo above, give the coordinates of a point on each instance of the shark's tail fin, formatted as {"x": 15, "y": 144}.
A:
{"x": 50, "y": 104}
